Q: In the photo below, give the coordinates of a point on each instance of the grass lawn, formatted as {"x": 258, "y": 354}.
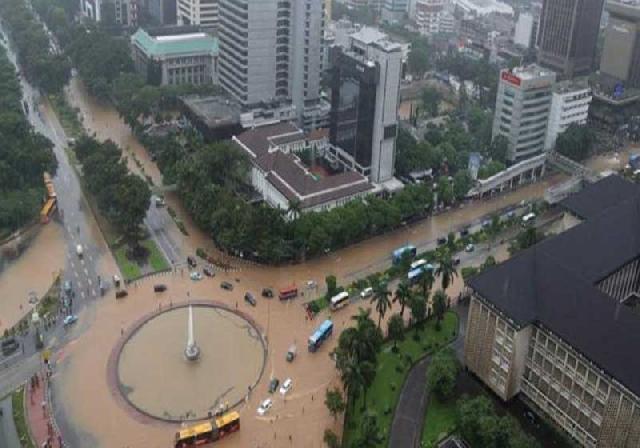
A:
{"x": 17, "y": 401}
{"x": 392, "y": 370}
{"x": 67, "y": 115}
{"x": 439, "y": 421}
{"x": 156, "y": 259}
{"x": 129, "y": 269}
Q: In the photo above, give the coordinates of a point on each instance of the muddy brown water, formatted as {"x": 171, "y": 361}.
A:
{"x": 157, "y": 379}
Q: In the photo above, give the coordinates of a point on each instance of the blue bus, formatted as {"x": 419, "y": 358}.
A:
{"x": 323, "y": 332}
{"x": 399, "y": 253}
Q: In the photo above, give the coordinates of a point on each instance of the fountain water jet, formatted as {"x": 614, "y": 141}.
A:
{"x": 191, "y": 351}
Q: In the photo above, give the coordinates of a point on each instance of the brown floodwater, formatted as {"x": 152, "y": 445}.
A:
{"x": 156, "y": 378}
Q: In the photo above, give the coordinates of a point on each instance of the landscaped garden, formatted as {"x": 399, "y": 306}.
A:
{"x": 20, "y": 419}
{"x": 391, "y": 371}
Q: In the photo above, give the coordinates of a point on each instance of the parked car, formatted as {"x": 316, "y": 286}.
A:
{"x": 208, "y": 271}
{"x": 265, "y": 406}
{"x": 456, "y": 261}
{"x": 191, "y": 261}
{"x": 159, "y": 288}
{"x": 66, "y": 287}
{"x": 195, "y": 276}
{"x": 273, "y": 385}
{"x": 469, "y": 248}
{"x": 79, "y": 250}
{"x": 286, "y": 386}
{"x": 464, "y": 232}
{"x": 116, "y": 281}
{"x": 226, "y": 285}
{"x": 160, "y": 202}
{"x": 291, "y": 353}
{"x": 70, "y": 320}
{"x": 121, "y": 294}
{"x": 248, "y": 297}
{"x": 267, "y": 292}
{"x": 366, "y": 292}
{"x": 442, "y": 240}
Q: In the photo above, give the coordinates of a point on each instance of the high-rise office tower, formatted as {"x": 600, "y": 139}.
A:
{"x": 568, "y": 35}
{"x": 364, "y": 104}
{"x": 271, "y": 51}
{"x": 198, "y": 12}
{"x": 394, "y": 10}
{"x": 523, "y": 103}
{"x": 620, "y": 61}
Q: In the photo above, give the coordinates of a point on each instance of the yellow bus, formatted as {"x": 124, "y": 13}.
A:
{"x": 208, "y": 432}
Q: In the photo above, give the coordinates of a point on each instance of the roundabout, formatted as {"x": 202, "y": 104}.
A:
{"x": 189, "y": 361}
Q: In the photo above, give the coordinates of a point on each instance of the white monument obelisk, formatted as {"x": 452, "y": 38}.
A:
{"x": 192, "y": 351}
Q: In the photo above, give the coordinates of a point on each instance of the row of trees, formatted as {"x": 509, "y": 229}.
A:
{"x": 122, "y": 197}
{"x": 42, "y": 66}
{"x": 24, "y": 155}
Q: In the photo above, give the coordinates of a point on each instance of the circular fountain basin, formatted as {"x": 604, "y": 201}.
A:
{"x": 155, "y": 377}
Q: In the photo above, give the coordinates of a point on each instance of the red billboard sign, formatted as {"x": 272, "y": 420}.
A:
{"x": 510, "y": 78}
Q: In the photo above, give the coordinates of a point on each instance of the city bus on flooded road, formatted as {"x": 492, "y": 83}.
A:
{"x": 401, "y": 252}
{"x": 208, "y": 432}
{"x": 340, "y": 300}
{"x": 288, "y": 293}
{"x": 318, "y": 337}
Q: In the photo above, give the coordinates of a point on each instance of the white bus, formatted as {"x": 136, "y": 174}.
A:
{"x": 340, "y": 300}
{"x": 528, "y": 219}
{"x": 418, "y": 264}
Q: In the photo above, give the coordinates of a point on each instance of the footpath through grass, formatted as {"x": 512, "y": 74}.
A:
{"x": 20, "y": 419}
{"x": 391, "y": 373}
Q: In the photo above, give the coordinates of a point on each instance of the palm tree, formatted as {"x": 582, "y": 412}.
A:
{"x": 353, "y": 379}
{"x": 395, "y": 329}
{"x": 295, "y": 208}
{"x": 427, "y": 282}
{"x": 440, "y": 300}
{"x": 370, "y": 436}
{"x": 380, "y": 297}
{"x": 446, "y": 271}
{"x": 403, "y": 296}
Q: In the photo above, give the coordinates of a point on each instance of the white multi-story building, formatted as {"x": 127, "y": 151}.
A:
{"x": 271, "y": 51}
{"x": 523, "y": 103}
{"x": 198, "y": 12}
{"x": 569, "y": 105}
{"x": 121, "y": 12}
{"x": 434, "y": 16}
{"x": 523, "y": 33}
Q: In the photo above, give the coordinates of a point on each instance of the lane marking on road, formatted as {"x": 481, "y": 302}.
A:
{"x": 76, "y": 274}
{"x": 73, "y": 265}
{"x": 95, "y": 294}
{"x": 86, "y": 272}
{"x": 82, "y": 294}
{"x": 89, "y": 281}
{"x": 82, "y": 261}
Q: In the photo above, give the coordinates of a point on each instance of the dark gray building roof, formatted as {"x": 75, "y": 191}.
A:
{"x": 554, "y": 283}
{"x": 595, "y": 198}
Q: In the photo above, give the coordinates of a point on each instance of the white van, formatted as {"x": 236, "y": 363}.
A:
{"x": 366, "y": 292}
{"x": 528, "y": 219}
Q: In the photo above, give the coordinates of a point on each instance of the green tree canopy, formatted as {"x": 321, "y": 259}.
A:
{"x": 442, "y": 374}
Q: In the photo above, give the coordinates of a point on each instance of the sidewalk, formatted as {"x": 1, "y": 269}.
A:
{"x": 8, "y": 433}
{"x": 40, "y": 424}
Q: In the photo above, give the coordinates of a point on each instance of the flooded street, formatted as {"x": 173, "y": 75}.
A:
{"x": 231, "y": 360}
{"x": 34, "y": 271}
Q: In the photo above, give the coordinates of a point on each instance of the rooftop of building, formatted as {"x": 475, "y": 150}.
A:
{"x": 214, "y": 111}
{"x": 627, "y": 9}
{"x": 571, "y": 85}
{"x": 174, "y": 41}
{"x": 287, "y": 173}
{"x": 554, "y": 283}
{"x": 373, "y": 36}
{"x": 532, "y": 71}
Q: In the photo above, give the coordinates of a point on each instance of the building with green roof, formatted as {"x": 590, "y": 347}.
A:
{"x": 175, "y": 55}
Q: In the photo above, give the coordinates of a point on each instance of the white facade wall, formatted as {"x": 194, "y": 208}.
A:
{"x": 386, "y": 114}
{"x": 198, "y": 12}
{"x": 567, "y": 108}
{"x": 432, "y": 17}
{"x": 524, "y": 30}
